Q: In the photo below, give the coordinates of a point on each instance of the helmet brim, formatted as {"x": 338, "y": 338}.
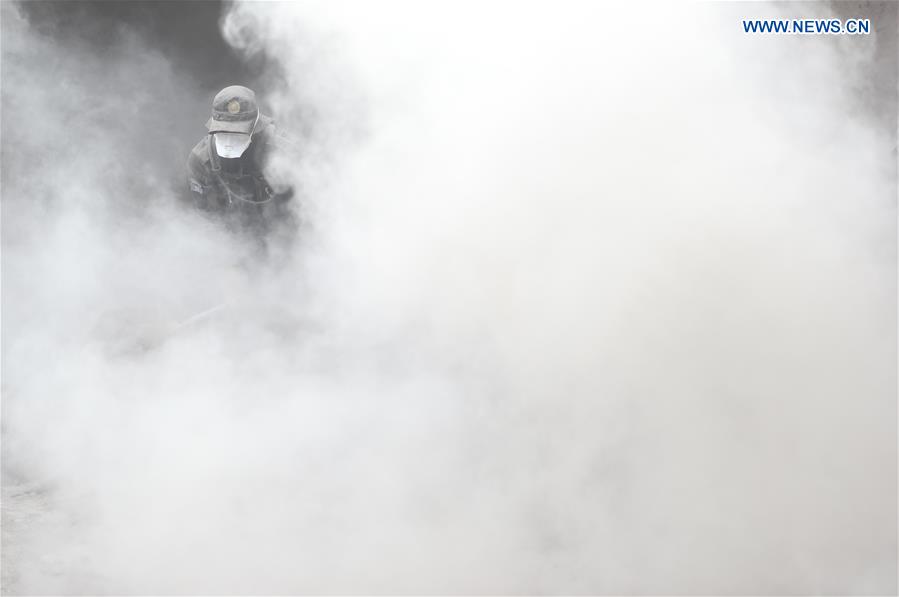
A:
{"x": 232, "y": 126}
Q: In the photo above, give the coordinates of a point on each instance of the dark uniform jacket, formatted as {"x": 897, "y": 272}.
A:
{"x": 237, "y": 186}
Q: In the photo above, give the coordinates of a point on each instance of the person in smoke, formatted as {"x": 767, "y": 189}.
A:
{"x": 226, "y": 169}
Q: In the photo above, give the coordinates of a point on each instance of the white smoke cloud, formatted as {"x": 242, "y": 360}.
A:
{"x": 589, "y": 299}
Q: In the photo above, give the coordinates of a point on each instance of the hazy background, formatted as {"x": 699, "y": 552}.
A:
{"x": 587, "y": 299}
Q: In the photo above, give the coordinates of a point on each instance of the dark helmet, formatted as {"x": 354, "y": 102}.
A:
{"x": 234, "y": 117}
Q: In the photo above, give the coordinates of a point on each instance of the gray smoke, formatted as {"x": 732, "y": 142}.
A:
{"x": 587, "y": 299}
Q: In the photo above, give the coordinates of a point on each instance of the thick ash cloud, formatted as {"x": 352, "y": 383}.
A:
{"x": 578, "y": 308}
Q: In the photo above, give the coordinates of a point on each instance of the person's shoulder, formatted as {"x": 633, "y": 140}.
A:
{"x": 201, "y": 149}
{"x": 199, "y": 155}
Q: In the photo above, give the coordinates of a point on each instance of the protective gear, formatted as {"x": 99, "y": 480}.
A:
{"x": 221, "y": 182}
{"x": 231, "y": 145}
{"x": 225, "y": 169}
{"x": 234, "y": 110}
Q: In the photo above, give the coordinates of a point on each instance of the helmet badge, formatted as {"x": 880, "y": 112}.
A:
{"x": 234, "y": 106}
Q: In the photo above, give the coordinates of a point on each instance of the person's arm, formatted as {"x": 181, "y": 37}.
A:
{"x": 199, "y": 184}
{"x": 284, "y": 153}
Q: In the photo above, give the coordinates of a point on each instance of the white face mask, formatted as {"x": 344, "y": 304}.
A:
{"x": 231, "y": 145}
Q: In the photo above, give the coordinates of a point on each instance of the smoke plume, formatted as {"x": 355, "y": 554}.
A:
{"x": 583, "y": 299}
